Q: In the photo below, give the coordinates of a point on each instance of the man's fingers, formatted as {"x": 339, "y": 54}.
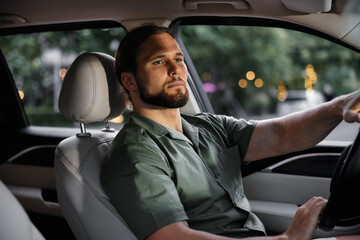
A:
{"x": 352, "y": 116}
{"x": 321, "y": 205}
{"x": 316, "y": 200}
{"x": 306, "y": 219}
{"x": 352, "y": 108}
{"x": 315, "y": 205}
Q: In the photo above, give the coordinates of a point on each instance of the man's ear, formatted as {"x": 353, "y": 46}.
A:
{"x": 128, "y": 80}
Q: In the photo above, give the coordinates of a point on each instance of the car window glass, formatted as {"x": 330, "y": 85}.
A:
{"x": 263, "y": 72}
{"x": 38, "y": 62}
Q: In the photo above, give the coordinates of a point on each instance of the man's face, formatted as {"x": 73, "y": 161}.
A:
{"x": 161, "y": 74}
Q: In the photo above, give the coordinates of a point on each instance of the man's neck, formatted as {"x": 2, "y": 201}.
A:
{"x": 168, "y": 117}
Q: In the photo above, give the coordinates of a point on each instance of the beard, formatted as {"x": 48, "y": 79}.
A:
{"x": 163, "y": 99}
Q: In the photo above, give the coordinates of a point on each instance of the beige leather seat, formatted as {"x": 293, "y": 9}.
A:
{"x": 14, "y": 222}
{"x": 90, "y": 93}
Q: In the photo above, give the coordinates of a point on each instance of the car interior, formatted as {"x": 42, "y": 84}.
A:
{"x": 51, "y": 162}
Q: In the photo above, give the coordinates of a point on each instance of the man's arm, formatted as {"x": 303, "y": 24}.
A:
{"x": 301, "y": 130}
{"x": 181, "y": 231}
{"x": 303, "y": 227}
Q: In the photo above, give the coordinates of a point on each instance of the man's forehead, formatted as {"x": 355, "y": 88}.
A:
{"x": 159, "y": 44}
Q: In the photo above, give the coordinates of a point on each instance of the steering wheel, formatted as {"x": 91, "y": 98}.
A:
{"x": 343, "y": 207}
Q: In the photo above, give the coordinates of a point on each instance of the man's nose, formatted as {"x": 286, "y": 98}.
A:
{"x": 173, "y": 68}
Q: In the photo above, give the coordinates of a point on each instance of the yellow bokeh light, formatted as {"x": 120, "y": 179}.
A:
{"x": 206, "y": 76}
{"x": 282, "y": 91}
{"x": 62, "y": 73}
{"x": 309, "y": 69}
{"x": 118, "y": 119}
{"x": 259, "y": 83}
{"x": 21, "y": 94}
{"x": 281, "y": 96}
{"x": 311, "y": 77}
{"x": 250, "y": 75}
{"x": 242, "y": 83}
{"x": 308, "y": 84}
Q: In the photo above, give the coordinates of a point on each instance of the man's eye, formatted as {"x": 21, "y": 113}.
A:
{"x": 178, "y": 60}
{"x": 158, "y": 62}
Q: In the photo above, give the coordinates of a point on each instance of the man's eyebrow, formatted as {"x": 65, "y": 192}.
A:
{"x": 163, "y": 55}
{"x": 156, "y": 57}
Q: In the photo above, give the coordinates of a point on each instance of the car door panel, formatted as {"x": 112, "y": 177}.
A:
{"x": 276, "y": 192}
{"x": 28, "y": 171}
{"x": 29, "y": 167}
{"x": 33, "y": 186}
{"x": 286, "y": 188}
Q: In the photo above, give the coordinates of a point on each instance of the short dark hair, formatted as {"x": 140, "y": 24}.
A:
{"x": 126, "y": 55}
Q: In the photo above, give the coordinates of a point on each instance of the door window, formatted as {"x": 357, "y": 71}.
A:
{"x": 263, "y": 72}
{"x": 39, "y": 61}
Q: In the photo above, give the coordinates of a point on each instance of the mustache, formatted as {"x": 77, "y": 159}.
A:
{"x": 175, "y": 79}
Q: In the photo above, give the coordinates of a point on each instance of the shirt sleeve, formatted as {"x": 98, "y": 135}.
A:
{"x": 137, "y": 178}
{"x": 237, "y": 131}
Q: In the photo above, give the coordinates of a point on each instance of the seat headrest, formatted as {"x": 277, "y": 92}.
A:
{"x": 90, "y": 91}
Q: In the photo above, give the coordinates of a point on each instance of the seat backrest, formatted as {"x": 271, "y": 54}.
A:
{"x": 90, "y": 93}
{"x": 14, "y": 222}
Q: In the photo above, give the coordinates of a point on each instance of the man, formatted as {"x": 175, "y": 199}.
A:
{"x": 173, "y": 176}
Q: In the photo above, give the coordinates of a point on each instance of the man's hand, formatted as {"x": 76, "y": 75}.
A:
{"x": 302, "y": 227}
{"x": 351, "y": 111}
{"x": 306, "y": 219}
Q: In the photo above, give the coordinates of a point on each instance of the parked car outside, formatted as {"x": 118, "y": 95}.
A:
{"x": 297, "y": 100}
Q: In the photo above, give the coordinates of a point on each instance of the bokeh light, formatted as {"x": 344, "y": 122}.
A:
{"x": 259, "y": 83}
{"x": 118, "y": 119}
{"x": 21, "y": 94}
{"x": 250, "y": 75}
{"x": 242, "y": 83}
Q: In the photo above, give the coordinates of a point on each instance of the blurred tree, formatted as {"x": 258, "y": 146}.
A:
{"x": 222, "y": 55}
{"x": 34, "y": 76}
{"x": 24, "y": 52}
{"x": 274, "y": 55}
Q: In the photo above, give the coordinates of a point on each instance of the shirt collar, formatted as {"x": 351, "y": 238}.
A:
{"x": 191, "y": 133}
{"x": 150, "y": 125}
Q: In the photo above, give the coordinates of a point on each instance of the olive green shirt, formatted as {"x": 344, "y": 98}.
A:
{"x": 155, "y": 176}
